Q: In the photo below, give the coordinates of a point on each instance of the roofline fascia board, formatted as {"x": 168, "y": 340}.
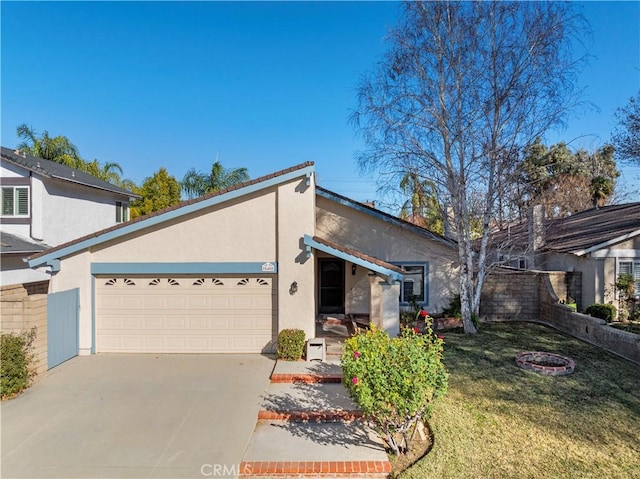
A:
{"x": 381, "y": 216}
{"x": 260, "y": 267}
{"x": 171, "y": 215}
{"x": 585, "y": 251}
{"x": 387, "y": 273}
{"x": 47, "y": 174}
{"x": 130, "y": 194}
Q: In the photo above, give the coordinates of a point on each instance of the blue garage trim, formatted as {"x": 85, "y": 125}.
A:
{"x": 264, "y": 267}
{"x": 93, "y": 314}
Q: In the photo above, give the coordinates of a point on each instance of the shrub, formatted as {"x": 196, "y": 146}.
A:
{"x": 290, "y": 344}
{"x": 394, "y": 380}
{"x": 16, "y": 357}
{"x": 455, "y": 308}
{"x": 602, "y": 311}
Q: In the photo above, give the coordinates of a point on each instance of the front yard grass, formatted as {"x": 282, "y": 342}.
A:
{"x": 499, "y": 421}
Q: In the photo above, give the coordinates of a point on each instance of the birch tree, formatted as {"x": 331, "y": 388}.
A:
{"x": 462, "y": 88}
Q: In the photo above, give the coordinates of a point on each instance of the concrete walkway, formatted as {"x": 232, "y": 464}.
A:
{"x": 142, "y": 415}
{"x": 309, "y": 427}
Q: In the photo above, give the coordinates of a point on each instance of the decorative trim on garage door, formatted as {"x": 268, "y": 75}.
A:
{"x": 185, "y": 314}
{"x": 186, "y": 268}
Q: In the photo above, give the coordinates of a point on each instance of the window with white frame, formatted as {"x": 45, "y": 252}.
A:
{"x": 15, "y": 201}
{"x": 414, "y": 283}
{"x": 632, "y": 267}
{"x": 122, "y": 212}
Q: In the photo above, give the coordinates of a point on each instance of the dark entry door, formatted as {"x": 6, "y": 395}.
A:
{"x": 331, "y": 285}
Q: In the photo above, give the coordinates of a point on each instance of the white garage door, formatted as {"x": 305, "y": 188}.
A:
{"x": 184, "y": 314}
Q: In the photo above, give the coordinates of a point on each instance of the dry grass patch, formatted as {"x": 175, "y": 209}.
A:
{"x": 499, "y": 421}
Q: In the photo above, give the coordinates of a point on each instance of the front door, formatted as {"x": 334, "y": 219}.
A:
{"x": 331, "y": 285}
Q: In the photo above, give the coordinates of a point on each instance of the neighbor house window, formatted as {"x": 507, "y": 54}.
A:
{"x": 414, "y": 284}
{"x": 632, "y": 267}
{"x": 15, "y": 201}
{"x": 122, "y": 212}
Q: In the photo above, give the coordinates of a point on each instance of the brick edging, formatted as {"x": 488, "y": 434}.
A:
{"x": 314, "y": 416}
{"x": 305, "y": 378}
{"x": 354, "y": 469}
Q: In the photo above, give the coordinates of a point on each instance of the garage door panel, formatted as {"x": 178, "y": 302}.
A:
{"x": 177, "y": 315}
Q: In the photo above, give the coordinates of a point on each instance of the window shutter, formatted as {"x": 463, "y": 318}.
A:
{"x": 625, "y": 267}
{"x": 7, "y": 201}
{"x": 118, "y": 212}
{"x": 22, "y": 198}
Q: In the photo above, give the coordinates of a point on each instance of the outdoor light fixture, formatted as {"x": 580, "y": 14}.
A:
{"x": 353, "y": 269}
{"x": 293, "y": 289}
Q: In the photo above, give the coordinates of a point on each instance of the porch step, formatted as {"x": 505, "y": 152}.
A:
{"x": 308, "y": 401}
{"x": 307, "y": 372}
{"x": 286, "y": 449}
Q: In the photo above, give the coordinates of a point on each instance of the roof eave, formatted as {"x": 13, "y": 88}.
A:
{"x": 389, "y": 274}
{"x": 111, "y": 234}
{"x": 323, "y": 192}
{"x": 615, "y": 240}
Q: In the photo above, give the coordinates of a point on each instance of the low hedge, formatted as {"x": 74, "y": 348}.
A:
{"x": 290, "y": 344}
{"x": 16, "y": 362}
{"x": 602, "y": 311}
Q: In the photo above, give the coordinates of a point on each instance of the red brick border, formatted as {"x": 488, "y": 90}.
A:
{"x": 315, "y": 416}
{"x": 356, "y": 469}
{"x": 305, "y": 378}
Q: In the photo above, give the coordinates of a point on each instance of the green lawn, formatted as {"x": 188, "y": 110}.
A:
{"x": 500, "y": 421}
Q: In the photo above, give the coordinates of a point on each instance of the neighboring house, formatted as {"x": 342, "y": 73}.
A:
{"x": 599, "y": 243}
{"x": 45, "y": 204}
{"x": 226, "y": 272}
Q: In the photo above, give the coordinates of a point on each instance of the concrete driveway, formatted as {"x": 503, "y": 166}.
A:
{"x": 140, "y": 415}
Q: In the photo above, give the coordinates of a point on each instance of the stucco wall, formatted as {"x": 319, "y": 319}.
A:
{"x": 382, "y": 240}
{"x": 239, "y": 230}
{"x": 593, "y": 274}
{"x": 70, "y": 211}
{"x": 265, "y": 226}
{"x": 15, "y": 271}
{"x": 295, "y": 213}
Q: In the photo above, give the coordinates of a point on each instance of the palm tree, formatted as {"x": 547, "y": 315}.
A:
{"x": 422, "y": 206}
{"x": 58, "y": 148}
{"x": 196, "y": 183}
{"x": 601, "y": 188}
{"x": 109, "y": 171}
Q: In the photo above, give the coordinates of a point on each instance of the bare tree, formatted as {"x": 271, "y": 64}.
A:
{"x": 627, "y": 135}
{"x": 462, "y": 89}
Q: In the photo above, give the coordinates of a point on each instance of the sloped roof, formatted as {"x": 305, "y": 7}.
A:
{"x": 171, "y": 212}
{"x": 386, "y": 217}
{"x": 51, "y": 169}
{"x": 354, "y": 256}
{"x": 581, "y": 232}
{"x": 15, "y": 244}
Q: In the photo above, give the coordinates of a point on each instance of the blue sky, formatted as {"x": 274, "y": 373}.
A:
{"x": 264, "y": 85}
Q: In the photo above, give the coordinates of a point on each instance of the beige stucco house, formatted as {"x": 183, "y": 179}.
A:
{"x": 598, "y": 244}
{"x": 226, "y": 272}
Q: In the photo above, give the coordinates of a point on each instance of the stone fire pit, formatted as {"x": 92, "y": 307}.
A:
{"x": 550, "y": 364}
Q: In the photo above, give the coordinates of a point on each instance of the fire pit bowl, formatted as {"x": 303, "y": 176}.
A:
{"x": 550, "y": 364}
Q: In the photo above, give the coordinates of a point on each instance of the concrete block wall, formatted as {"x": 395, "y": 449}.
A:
{"x": 510, "y": 295}
{"x": 585, "y": 327}
{"x": 22, "y": 307}
{"x": 535, "y": 295}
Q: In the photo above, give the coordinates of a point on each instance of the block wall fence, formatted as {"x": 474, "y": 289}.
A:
{"x": 535, "y": 296}
{"x": 23, "y": 307}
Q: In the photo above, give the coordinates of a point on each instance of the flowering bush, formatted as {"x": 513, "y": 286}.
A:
{"x": 394, "y": 380}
